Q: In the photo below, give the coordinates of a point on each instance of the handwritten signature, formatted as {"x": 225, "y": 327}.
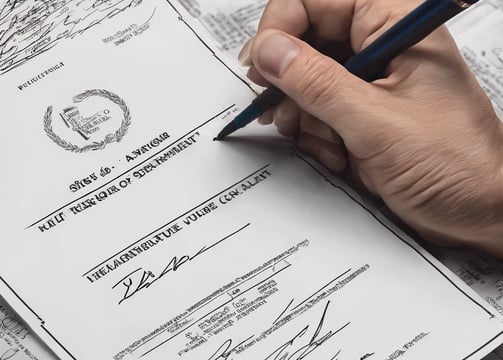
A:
{"x": 225, "y": 350}
{"x": 293, "y": 349}
{"x": 140, "y": 279}
{"x": 30, "y": 28}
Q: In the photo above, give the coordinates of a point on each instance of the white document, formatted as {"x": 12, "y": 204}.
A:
{"x": 131, "y": 234}
{"x": 17, "y": 342}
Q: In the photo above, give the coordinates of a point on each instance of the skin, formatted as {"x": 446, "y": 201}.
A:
{"x": 425, "y": 138}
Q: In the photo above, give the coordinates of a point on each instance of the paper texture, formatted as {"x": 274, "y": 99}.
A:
{"x": 132, "y": 234}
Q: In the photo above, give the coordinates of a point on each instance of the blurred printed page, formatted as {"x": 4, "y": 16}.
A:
{"x": 479, "y": 33}
{"x": 17, "y": 342}
{"x": 227, "y": 24}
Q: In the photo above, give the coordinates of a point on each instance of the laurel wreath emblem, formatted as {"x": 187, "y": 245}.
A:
{"x": 96, "y": 145}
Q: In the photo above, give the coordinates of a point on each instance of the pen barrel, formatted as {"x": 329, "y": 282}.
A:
{"x": 370, "y": 64}
{"x": 270, "y": 97}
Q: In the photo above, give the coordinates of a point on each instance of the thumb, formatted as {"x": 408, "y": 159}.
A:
{"x": 317, "y": 83}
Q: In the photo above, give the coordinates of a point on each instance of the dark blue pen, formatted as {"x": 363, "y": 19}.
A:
{"x": 371, "y": 62}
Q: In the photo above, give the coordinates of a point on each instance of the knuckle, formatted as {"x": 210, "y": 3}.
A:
{"x": 317, "y": 82}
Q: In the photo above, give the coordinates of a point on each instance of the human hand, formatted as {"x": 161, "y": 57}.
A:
{"x": 425, "y": 138}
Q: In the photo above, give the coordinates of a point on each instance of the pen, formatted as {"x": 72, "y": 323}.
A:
{"x": 370, "y": 63}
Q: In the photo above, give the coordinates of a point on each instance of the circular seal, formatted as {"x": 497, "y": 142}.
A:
{"x": 88, "y": 126}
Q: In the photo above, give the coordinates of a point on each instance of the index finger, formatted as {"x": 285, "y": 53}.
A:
{"x": 329, "y": 19}
{"x": 325, "y": 19}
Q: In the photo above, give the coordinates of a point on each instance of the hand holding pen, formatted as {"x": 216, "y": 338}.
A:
{"x": 423, "y": 136}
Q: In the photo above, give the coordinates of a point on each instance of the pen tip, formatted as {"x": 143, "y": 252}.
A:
{"x": 228, "y": 129}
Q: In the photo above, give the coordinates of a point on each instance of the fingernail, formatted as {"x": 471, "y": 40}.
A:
{"x": 276, "y": 54}
{"x": 244, "y": 56}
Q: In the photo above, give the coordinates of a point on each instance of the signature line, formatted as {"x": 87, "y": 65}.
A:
{"x": 169, "y": 222}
